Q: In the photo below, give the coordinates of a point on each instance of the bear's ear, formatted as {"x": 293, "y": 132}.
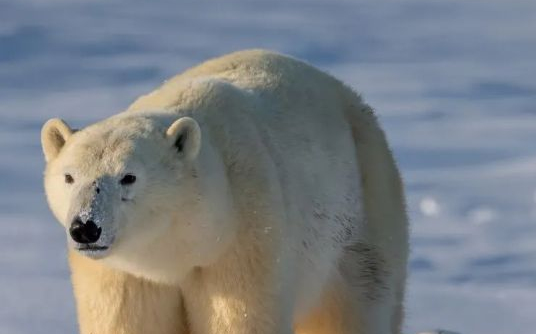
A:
{"x": 54, "y": 134}
{"x": 185, "y": 136}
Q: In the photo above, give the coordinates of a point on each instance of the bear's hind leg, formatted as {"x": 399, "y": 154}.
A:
{"x": 329, "y": 316}
{"x": 361, "y": 298}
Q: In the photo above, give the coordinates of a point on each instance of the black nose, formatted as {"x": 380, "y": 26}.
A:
{"x": 84, "y": 233}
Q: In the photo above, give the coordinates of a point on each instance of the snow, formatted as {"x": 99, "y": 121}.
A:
{"x": 452, "y": 82}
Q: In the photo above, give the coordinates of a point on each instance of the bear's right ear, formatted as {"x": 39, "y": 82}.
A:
{"x": 185, "y": 135}
{"x": 54, "y": 134}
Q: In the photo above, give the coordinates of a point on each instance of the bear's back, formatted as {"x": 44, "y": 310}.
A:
{"x": 262, "y": 71}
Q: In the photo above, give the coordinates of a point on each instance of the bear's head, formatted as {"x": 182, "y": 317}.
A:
{"x": 128, "y": 190}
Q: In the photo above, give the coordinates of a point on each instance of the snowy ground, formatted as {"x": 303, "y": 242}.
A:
{"x": 452, "y": 81}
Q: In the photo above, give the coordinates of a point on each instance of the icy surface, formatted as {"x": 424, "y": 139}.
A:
{"x": 453, "y": 83}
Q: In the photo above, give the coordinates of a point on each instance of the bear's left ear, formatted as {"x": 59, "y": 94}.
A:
{"x": 185, "y": 136}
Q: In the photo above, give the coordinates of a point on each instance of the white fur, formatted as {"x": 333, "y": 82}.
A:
{"x": 282, "y": 212}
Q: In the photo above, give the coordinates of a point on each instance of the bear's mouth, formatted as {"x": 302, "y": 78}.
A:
{"x": 92, "y": 251}
{"x": 91, "y": 248}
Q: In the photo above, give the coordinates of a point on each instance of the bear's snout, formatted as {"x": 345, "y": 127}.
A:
{"x": 84, "y": 233}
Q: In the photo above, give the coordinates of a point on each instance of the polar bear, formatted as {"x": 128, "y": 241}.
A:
{"x": 250, "y": 194}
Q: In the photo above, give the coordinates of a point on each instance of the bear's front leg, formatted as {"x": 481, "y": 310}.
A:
{"x": 113, "y": 302}
{"x": 242, "y": 294}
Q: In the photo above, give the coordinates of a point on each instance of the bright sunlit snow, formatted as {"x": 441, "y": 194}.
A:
{"x": 453, "y": 83}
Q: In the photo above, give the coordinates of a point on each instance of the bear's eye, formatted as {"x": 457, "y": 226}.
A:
{"x": 128, "y": 179}
{"x": 68, "y": 179}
